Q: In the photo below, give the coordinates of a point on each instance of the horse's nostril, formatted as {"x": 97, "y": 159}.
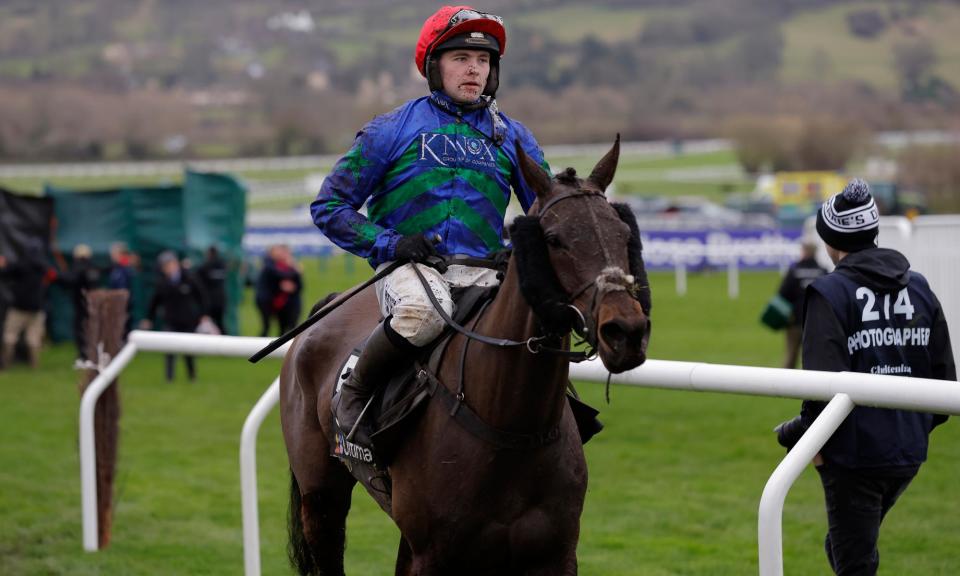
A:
{"x": 613, "y": 334}
{"x": 617, "y": 333}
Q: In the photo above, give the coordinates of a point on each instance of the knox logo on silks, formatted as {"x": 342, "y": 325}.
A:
{"x": 450, "y": 150}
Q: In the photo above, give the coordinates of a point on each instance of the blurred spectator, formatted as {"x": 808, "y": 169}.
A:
{"x": 121, "y": 273}
{"x": 792, "y": 289}
{"x": 212, "y": 275}
{"x": 122, "y": 261}
{"x": 178, "y": 305}
{"x": 28, "y": 279}
{"x": 278, "y": 290}
{"x": 82, "y": 277}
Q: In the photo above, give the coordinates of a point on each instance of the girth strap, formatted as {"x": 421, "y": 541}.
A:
{"x": 472, "y": 423}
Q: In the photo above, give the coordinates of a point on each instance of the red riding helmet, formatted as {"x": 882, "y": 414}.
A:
{"x": 452, "y": 21}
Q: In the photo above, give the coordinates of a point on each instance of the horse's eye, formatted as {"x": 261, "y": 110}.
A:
{"x": 553, "y": 241}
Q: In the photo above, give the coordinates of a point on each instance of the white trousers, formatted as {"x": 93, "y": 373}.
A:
{"x": 414, "y": 316}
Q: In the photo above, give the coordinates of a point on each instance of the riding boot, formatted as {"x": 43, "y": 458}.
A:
{"x": 382, "y": 357}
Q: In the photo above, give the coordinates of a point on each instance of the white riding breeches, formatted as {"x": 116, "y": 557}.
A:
{"x": 414, "y": 316}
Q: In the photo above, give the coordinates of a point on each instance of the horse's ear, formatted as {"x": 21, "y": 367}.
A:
{"x": 603, "y": 172}
{"x": 535, "y": 176}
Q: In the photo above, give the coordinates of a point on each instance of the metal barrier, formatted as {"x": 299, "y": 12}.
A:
{"x": 178, "y": 343}
{"x": 843, "y": 391}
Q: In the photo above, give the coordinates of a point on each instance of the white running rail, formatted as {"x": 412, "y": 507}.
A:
{"x": 196, "y": 345}
{"x": 843, "y": 391}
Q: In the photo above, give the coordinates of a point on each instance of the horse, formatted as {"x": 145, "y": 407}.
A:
{"x": 463, "y": 504}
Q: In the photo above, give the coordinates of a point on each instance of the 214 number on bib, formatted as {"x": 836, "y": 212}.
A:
{"x": 901, "y": 306}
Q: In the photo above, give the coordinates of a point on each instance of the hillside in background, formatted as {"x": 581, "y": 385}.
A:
{"x": 95, "y": 79}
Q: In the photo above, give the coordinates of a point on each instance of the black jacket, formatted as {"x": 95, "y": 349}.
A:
{"x": 794, "y": 285}
{"x": 82, "y": 277}
{"x": 269, "y": 295}
{"x": 182, "y": 302}
{"x": 213, "y": 275}
{"x": 873, "y": 315}
{"x": 28, "y": 284}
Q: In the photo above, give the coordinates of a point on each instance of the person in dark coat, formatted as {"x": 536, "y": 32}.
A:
{"x": 801, "y": 274}
{"x": 279, "y": 287}
{"x": 178, "y": 305}
{"x": 121, "y": 274}
{"x": 82, "y": 277}
{"x": 212, "y": 275}
{"x": 874, "y": 315}
{"x": 28, "y": 279}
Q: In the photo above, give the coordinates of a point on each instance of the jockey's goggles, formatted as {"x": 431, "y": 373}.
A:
{"x": 461, "y": 16}
{"x": 466, "y": 14}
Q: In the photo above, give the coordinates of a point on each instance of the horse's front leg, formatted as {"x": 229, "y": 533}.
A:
{"x": 404, "y": 559}
{"x": 565, "y": 566}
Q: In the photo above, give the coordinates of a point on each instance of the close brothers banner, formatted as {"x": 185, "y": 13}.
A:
{"x": 698, "y": 249}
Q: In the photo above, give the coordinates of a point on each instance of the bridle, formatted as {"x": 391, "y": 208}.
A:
{"x": 611, "y": 278}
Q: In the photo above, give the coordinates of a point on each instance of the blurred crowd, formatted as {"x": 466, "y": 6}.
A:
{"x": 186, "y": 297}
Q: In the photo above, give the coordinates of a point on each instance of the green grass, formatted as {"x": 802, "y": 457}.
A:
{"x": 609, "y": 24}
{"x": 36, "y": 185}
{"x": 675, "y": 479}
{"x": 636, "y": 174}
{"x": 653, "y": 175}
{"x": 820, "y": 48}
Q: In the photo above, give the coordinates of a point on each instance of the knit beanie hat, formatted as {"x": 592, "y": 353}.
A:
{"x": 849, "y": 221}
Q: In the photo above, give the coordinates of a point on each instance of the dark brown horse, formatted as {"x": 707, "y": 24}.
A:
{"x": 466, "y": 507}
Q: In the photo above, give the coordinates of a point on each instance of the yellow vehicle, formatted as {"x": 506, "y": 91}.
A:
{"x": 794, "y": 196}
{"x": 806, "y": 189}
{"x": 797, "y": 195}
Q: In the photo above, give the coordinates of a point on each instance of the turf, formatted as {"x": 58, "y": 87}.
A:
{"x": 819, "y": 47}
{"x": 675, "y": 479}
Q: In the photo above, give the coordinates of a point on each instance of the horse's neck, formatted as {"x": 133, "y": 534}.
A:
{"x": 521, "y": 390}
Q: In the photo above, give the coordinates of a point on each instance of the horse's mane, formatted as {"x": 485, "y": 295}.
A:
{"x": 635, "y": 255}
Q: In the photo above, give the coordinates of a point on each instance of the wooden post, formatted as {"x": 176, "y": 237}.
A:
{"x": 104, "y": 330}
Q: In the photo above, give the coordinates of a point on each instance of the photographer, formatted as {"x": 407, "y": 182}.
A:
{"x": 876, "y": 452}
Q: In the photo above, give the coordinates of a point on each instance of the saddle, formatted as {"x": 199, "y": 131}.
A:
{"x": 397, "y": 403}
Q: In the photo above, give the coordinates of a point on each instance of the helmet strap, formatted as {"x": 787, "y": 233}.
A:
{"x": 434, "y": 78}
{"x": 493, "y": 80}
{"x": 497, "y": 135}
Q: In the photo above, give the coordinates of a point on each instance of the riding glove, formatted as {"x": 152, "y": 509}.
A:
{"x": 415, "y": 248}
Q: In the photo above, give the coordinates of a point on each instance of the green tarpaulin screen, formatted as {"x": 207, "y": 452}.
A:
{"x": 208, "y": 209}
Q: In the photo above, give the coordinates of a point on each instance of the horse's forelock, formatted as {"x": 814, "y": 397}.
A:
{"x": 568, "y": 177}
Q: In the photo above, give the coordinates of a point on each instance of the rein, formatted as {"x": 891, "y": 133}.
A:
{"x": 533, "y": 343}
{"x": 456, "y": 405}
{"x": 611, "y": 279}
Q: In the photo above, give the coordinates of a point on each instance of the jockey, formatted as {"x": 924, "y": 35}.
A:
{"x": 436, "y": 175}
